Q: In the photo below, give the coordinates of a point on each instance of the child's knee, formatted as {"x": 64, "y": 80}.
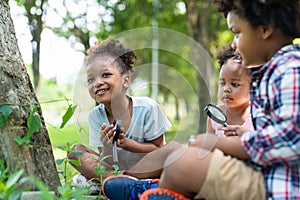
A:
{"x": 174, "y": 159}
{"x": 173, "y": 145}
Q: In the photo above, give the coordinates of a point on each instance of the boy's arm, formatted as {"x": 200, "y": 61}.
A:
{"x": 229, "y": 145}
{"x": 276, "y": 142}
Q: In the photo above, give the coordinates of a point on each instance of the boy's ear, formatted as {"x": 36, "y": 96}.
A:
{"x": 266, "y": 31}
{"x": 126, "y": 80}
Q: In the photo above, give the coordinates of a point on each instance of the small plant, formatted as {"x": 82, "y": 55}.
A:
{"x": 33, "y": 121}
{"x": 67, "y": 192}
{"x": 65, "y": 161}
{"x": 9, "y": 183}
{"x": 33, "y": 124}
{"x": 100, "y": 170}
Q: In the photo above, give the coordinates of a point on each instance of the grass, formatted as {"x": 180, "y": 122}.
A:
{"x": 68, "y": 134}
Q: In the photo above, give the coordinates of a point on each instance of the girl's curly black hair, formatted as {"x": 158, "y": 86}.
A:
{"x": 225, "y": 53}
{"x": 280, "y": 14}
{"x": 124, "y": 57}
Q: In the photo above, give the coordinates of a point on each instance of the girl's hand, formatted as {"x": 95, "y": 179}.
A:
{"x": 122, "y": 139}
{"x": 106, "y": 135}
{"x": 234, "y": 130}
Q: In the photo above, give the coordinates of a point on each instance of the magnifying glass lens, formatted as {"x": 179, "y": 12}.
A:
{"x": 216, "y": 114}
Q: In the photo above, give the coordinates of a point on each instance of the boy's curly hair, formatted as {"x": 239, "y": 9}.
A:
{"x": 280, "y": 14}
{"x": 124, "y": 57}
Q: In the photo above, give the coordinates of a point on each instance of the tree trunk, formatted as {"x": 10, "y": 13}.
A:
{"x": 36, "y": 28}
{"x": 16, "y": 90}
{"x": 198, "y": 13}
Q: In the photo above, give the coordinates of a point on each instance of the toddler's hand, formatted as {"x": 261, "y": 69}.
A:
{"x": 234, "y": 130}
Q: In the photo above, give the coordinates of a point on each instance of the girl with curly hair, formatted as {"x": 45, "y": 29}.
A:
{"x": 109, "y": 65}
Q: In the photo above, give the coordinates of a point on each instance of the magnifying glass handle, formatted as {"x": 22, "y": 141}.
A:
{"x": 117, "y": 124}
{"x": 115, "y": 153}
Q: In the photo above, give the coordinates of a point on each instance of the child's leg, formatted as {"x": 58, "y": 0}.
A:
{"x": 151, "y": 165}
{"x": 185, "y": 170}
{"x": 88, "y": 162}
{"x": 198, "y": 173}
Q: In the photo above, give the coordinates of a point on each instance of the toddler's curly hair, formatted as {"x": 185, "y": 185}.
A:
{"x": 225, "y": 53}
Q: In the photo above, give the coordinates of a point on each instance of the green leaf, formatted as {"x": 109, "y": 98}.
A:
{"x": 100, "y": 170}
{"x": 5, "y": 111}
{"x": 15, "y": 195}
{"x": 75, "y": 162}
{"x": 60, "y": 161}
{"x": 77, "y": 153}
{"x": 115, "y": 167}
{"x": 78, "y": 192}
{"x": 41, "y": 186}
{"x": 26, "y": 179}
{"x": 33, "y": 123}
{"x": 61, "y": 147}
{"x": 3, "y": 174}
{"x": 67, "y": 116}
{"x": 116, "y": 170}
{"x": 64, "y": 190}
{"x": 13, "y": 179}
{"x": 20, "y": 140}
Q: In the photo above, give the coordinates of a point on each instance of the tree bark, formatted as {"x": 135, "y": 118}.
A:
{"x": 198, "y": 13}
{"x": 16, "y": 90}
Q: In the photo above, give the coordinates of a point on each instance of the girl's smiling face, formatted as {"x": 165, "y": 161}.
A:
{"x": 234, "y": 84}
{"x": 105, "y": 81}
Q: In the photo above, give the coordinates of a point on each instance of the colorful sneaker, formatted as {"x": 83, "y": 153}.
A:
{"x": 162, "y": 194}
{"x": 126, "y": 187}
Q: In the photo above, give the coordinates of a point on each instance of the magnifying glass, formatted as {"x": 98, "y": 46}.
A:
{"x": 216, "y": 114}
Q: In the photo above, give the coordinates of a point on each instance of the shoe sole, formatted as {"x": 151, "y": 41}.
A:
{"x": 158, "y": 193}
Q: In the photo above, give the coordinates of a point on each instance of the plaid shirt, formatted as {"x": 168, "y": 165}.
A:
{"x": 275, "y": 110}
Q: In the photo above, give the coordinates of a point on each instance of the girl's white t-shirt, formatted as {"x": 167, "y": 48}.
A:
{"x": 148, "y": 123}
